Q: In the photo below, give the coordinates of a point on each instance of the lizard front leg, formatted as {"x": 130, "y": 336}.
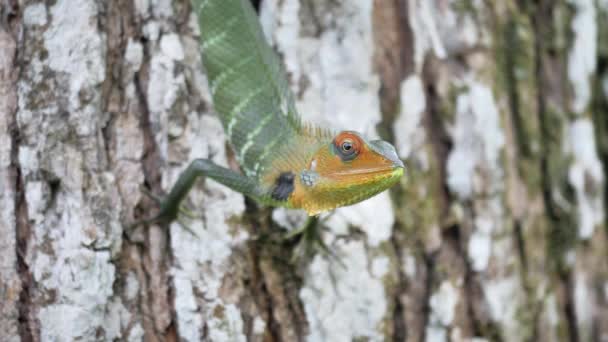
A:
{"x": 170, "y": 205}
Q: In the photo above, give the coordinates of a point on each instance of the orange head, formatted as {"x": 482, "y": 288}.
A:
{"x": 345, "y": 171}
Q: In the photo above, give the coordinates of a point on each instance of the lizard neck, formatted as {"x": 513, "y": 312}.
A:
{"x": 294, "y": 156}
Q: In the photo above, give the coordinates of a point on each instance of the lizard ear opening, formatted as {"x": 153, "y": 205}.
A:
{"x": 347, "y": 145}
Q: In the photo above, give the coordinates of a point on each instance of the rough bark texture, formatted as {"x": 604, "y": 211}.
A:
{"x": 500, "y": 109}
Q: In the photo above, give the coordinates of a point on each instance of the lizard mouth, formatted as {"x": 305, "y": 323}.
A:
{"x": 371, "y": 171}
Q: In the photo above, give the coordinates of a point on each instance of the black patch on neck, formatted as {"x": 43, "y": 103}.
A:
{"x": 283, "y": 186}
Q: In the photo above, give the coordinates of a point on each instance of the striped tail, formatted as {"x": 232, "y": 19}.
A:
{"x": 250, "y": 91}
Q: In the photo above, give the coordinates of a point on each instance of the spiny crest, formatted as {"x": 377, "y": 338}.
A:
{"x": 309, "y": 130}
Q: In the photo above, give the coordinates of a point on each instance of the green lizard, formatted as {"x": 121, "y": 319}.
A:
{"x": 284, "y": 161}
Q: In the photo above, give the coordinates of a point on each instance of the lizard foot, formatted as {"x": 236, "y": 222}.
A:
{"x": 168, "y": 213}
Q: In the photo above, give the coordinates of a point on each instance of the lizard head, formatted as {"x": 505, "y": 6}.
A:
{"x": 347, "y": 170}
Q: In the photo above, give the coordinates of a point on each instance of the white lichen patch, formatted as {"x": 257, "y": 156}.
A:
{"x": 425, "y": 31}
{"x": 380, "y": 266}
{"x": 137, "y": 333}
{"x": 76, "y": 48}
{"x": 171, "y": 46}
{"x": 582, "y": 61}
{"x": 436, "y": 334}
{"x": 259, "y": 326}
{"x": 132, "y": 286}
{"x": 151, "y": 30}
{"x": 474, "y": 339}
{"x": 164, "y": 89}
{"x": 474, "y": 163}
{"x": 37, "y": 195}
{"x": 442, "y": 310}
{"x": 35, "y": 15}
{"x": 117, "y": 319}
{"x": 374, "y": 216}
{"x": 128, "y": 133}
{"x": 343, "y": 303}
{"x": 551, "y": 311}
{"x": 190, "y": 319}
{"x": 457, "y": 30}
{"x": 409, "y": 265}
{"x": 549, "y": 316}
{"x": 162, "y": 9}
{"x": 504, "y": 298}
{"x": 283, "y": 30}
{"x": 408, "y": 127}
{"x": 341, "y": 87}
{"x": 443, "y": 305}
{"x": 586, "y": 175}
{"x": 83, "y": 281}
{"x": 289, "y": 219}
{"x": 227, "y": 326}
{"x": 142, "y": 8}
{"x": 134, "y": 55}
{"x": 489, "y": 239}
{"x": 202, "y": 262}
{"x": 584, "y": 304}
{"x": 479, "y": 250}
{"x": 10, "y": 283}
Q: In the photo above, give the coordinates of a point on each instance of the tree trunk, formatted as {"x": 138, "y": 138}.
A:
{"x": 499, "y": 230}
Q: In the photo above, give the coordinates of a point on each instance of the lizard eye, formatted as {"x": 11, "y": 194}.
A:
{"x": 347, "y": 145}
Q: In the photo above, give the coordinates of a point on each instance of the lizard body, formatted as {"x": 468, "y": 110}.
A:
{"x": 285, "y": 162}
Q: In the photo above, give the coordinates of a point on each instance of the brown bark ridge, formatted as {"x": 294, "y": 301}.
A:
{"x": 498, "y": 232}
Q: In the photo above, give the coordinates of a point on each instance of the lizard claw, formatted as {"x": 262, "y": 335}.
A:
{"x": 189, "y": 213}
{"x": 156, "y": 198}
{"x": 166, "y": 218}
{"x": 168, "y": 213}
{"x": 165, "y": 215}
{"x": 187, "y": 227}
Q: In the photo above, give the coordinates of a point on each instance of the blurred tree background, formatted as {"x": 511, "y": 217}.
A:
{"x": 499, "y": 108}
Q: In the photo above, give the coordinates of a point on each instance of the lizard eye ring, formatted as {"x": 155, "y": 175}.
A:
{"x": 347, "y": 145}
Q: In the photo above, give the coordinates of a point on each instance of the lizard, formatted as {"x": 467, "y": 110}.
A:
{"x": 285, "y": 162}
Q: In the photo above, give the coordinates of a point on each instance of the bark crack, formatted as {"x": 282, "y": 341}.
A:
{"x": 10, "y": 20}
{"x": 430, "y": 262}
{"x": 399, "y": 325}
{"x": 26, "y": 324}
{"x": 559, "y": 217}
{"x": 522, "y": 151}
{"x": 151, "y": 166}
{"x": 600, "y": 108}
{"x": 259, "y": 288}
{"x": 393, "y": 58}
{"x": 275, "y": 282}
{"x": 393, "y": 61}
{"x": 156, "y": 254}
{"x": 441, "y": 143}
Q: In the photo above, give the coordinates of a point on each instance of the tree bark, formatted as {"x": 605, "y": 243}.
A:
{"x": 498, "y": 232}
